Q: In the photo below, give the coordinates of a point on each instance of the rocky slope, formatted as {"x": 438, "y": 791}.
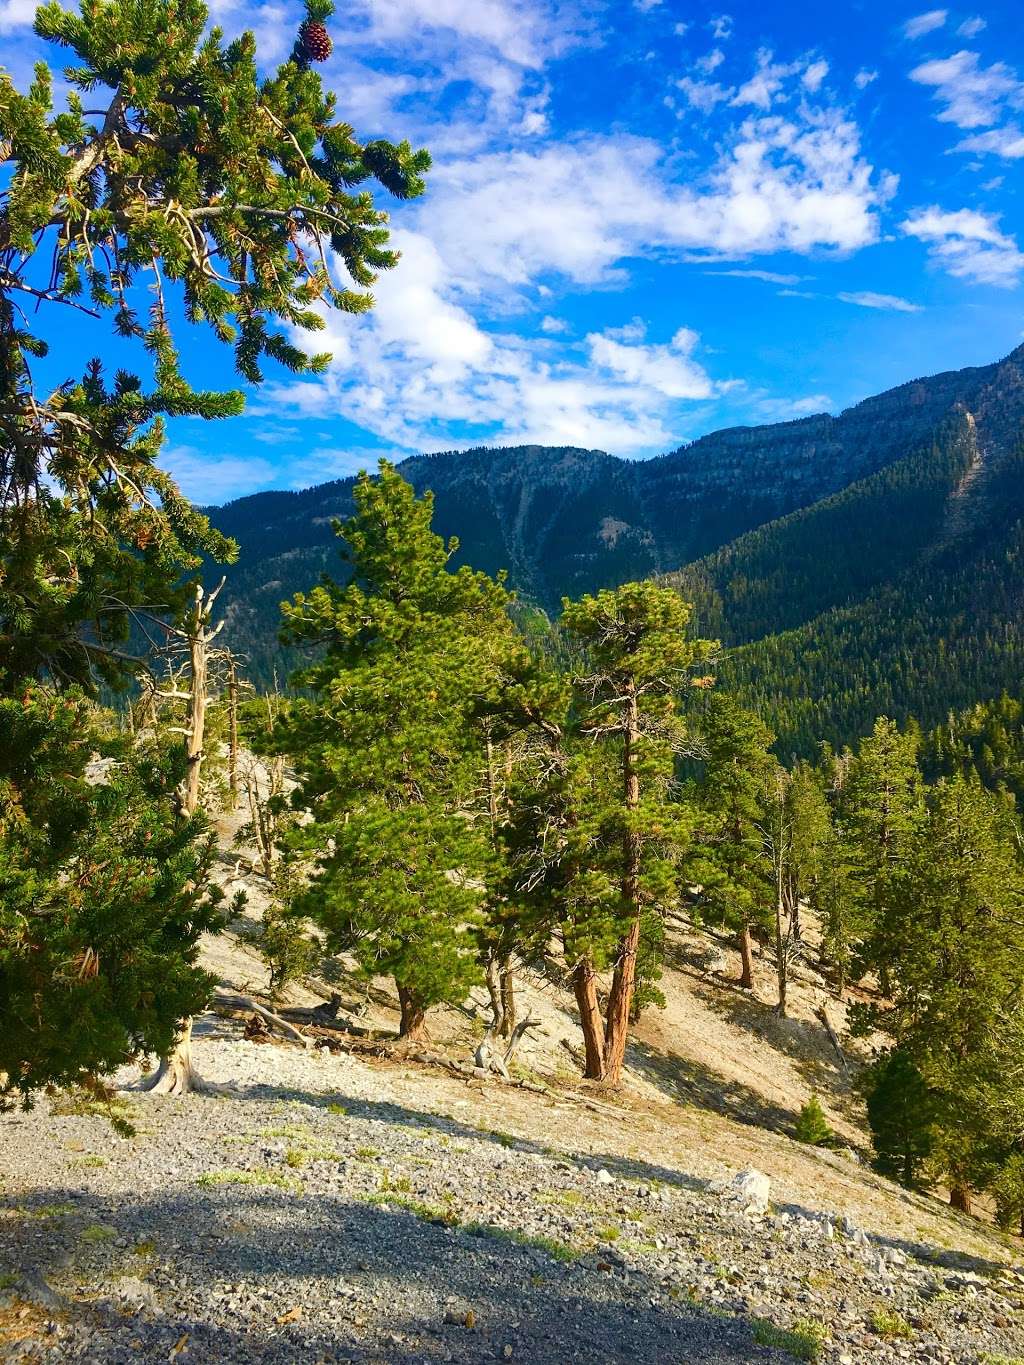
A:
{"x": 369, "y": 1205}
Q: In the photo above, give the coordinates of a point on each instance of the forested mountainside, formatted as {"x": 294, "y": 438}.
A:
{"x": 866, "y": 563}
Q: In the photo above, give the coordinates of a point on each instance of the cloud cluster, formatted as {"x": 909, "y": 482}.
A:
{"x": 968, "y": 245}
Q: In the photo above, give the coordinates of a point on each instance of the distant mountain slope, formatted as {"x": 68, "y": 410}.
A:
{"x": 564, "y": 521}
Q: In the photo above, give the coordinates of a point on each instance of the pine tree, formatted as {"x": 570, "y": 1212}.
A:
{"x": 637, "y": 658}
{"x": 883, "y": 808}
{"x": 200, "y": 189}
{"x": 105, "y": 896}
{"x": 811, "y": 1125}
{"x": 735, "y": 772}
{"x": 901, "y": 1111}
{"x": 386, "y": 750}
{"x": 957, "y": 971}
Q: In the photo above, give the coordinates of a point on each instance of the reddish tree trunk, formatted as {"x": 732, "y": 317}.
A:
{"x": 584, "y": 984}
{"x": 746, "y": 947}
{"x": 413, "y": 1023}
{"x": 620, "y": 1001}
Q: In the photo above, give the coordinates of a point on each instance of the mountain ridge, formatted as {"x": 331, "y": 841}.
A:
{"x": 768, "y": 528}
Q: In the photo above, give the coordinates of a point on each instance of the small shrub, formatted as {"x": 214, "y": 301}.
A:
{"x": 98, "y": 1232}
{"x": 888, "y": 1324}
{"x": 286, "y": 947}
{"x": 429, "y": 1213}
{"x": 812, "y": 1126}
{"x": 611, "y": 1233}
{"x": 559, "y": 1251}
{"x": 803, "y": 1341}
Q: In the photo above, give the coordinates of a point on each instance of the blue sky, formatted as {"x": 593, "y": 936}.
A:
{"x": 646, "y": 220}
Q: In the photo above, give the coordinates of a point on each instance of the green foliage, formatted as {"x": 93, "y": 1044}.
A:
{"x": 734, "y": 769}
{"x": 811, "y": 1125}
{"x": 285, "y": 944}
{"x": 902, "y": 1112}
{"x": 891, "y": 1325}
{"x": 387, "y": 751}
{"x": 802, "y": 1341}
{"x": 200, "y": 188}
{"x": 104, "y": 898}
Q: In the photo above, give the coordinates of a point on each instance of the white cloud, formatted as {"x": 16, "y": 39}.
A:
{"x": 968, "y": 245}
{"x": 925, "y": 23}
{"x": 582, "y": 209}
{"x": 766, "y": 82}
{"x": 970, "y": 28}
{"x": 787, "y": 409}
{"x": 864, "y": 77}
{"x": 704, "y": 95}
{"x": 798, "y": 294}
{"x": 891, "y": 303}
{"x": 721, "y": 27}
{"x": 711, "y": 61}
{"x": 971, "y": 95}
{"x": 645, "y": 6}
{"x": 519, "y": 30}
{"x": 814, "y": 75}
{"x": 397, "y": 376}
{"x": 1006, "y": 142}
{"x": 768, "y": 276}
{"x": 668, "y": 370}
{"x": 553, "y": 326}
{"x": 208, "y": 478}
{"x": 15, "y": 14}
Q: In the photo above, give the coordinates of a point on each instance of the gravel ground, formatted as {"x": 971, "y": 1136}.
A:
{"x": 314, "y": 1214}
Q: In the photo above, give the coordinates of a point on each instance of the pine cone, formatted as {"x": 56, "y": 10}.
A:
{"x": 314, "y": 41}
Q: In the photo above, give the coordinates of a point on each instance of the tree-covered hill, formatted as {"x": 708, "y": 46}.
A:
{"x": 865, "y": 563}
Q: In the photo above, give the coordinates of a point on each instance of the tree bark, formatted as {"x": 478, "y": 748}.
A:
{"x": 508, "y": 1000}
{"x": 960, "y": 1197}
{"x": 584, "y": 984}
{"x": 175, "y": 1075}
{"x": 233, "y": 733}
{"x": 413, "y": 1024}
{"x": 780, "y": 944}
{"x": 493, "y": 981}
{"x": 746, "y": 948}
{"x": 620, "y": 1000}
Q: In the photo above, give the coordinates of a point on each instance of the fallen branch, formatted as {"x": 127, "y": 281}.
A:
{"x": 231, "y": 1001}
{"x": 822, "y": 1014}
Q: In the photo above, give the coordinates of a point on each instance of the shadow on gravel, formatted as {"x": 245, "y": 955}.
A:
{"x": 359, "y": 1283}
{"x": 379, "y": 1111}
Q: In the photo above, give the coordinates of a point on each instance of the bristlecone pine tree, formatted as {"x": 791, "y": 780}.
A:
{"x": 637, "y": 659}
{"x": 204, "y": 189}
{"x": 387, "y": 753}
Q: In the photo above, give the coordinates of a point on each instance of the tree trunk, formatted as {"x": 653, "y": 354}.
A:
{"x": 175, "y": 1075}
{"x": 584, "y": 984}
{"x": 491, "y": 977}
{"x": 746, "y": 948}
{"x": 780, "y": 946}
{"x": 620, "y": 1000}
{"x": 960, "y": 1197}
{"x": 508, "y": 999}
{"x": 233, "y": 733}
{"x": 413, "y": 1025}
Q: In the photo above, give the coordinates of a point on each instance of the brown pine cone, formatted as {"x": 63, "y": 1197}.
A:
{"x": 314, "y": 41}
